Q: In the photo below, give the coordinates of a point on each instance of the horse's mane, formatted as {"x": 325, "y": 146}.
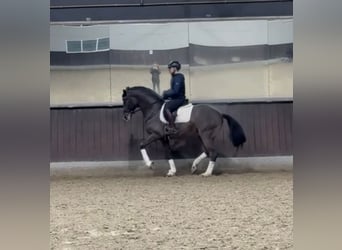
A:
{"x": 145, "y": 91}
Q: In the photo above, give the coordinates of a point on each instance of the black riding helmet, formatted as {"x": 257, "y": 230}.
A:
{"x": 175, "y": 64}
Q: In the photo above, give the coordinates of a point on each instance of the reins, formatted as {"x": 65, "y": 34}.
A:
{"x": 139, "y": 109}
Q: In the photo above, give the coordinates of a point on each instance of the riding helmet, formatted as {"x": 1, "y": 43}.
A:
{"x": 175, "y": 64}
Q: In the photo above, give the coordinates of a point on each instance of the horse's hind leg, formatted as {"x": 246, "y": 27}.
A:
{"x": 208, "y": 144}
{"x": 199, "y": 158}
{"x": 197, "y": 161}
{"x": 211, "y": 165}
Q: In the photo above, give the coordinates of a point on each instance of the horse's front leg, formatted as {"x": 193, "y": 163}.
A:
{"x": 168, "y": 155}
{"x": 143, "y": 151}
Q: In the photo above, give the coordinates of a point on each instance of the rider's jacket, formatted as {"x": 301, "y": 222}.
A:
{"x": 177, "y": 87}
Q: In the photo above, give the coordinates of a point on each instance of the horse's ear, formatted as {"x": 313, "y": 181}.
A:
{"x": 124, "y": 92}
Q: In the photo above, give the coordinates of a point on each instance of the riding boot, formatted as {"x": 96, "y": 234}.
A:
{"x": 171, "y": 129}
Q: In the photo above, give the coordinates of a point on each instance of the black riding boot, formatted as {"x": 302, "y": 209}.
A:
{"x": 171, "y": 128}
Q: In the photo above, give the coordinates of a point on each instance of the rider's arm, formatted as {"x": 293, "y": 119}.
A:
{"x": 176, "y": 87}
{"x": 167, "y": 93}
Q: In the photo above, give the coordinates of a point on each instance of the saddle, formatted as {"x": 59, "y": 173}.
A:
{"x": 181, "y": 115}
{"x": 174, "y": 113}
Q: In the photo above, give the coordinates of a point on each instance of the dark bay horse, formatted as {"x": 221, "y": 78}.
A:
{"x": 205, "y": 121}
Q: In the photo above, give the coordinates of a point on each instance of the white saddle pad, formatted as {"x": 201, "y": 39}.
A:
{"x": 183, "y": 114}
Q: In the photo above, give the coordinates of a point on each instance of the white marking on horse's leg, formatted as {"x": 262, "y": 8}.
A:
{"x": 146, "y": 158}
{"x": 209, "y": 169}
{"x": 197, "y": 161}
{"x": 172, "y": 170}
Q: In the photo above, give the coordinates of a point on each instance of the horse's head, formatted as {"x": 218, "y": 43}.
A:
{"x": 130, "y": 103}
{"x": 139, "y": 98}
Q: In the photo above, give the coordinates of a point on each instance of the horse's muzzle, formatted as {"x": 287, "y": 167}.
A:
{"x": 127, "y": 116}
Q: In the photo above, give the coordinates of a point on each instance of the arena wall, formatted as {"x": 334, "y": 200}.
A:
{"x": 100, "y": 134}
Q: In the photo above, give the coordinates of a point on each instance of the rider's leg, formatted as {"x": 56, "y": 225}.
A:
{"x": 170, "y": 107}
{"x": 169, "y": 117}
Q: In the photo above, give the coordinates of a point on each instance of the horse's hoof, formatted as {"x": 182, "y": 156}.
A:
{"x": 151, "y": 165}
{"x": 205, "y": 175}
{"x": 193, "y": 169}
{"x": 170, "y": 174}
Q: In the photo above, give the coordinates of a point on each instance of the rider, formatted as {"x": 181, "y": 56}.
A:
{"x": 175, "y": 95}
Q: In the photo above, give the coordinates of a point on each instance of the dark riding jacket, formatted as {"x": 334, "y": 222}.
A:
{"x": 177, "y": 90}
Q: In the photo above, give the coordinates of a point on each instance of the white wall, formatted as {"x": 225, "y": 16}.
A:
{"x": 149, "y": 36}
{"x": 229, "y": 33}
{"x": 163, "y": 36}
{"x": 244, "y": 80}
{"x": 280, "y": 31}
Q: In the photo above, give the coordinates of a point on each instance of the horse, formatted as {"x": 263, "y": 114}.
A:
{"x": 205, "y": 121}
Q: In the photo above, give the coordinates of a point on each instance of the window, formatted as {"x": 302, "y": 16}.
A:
{"x": 103, "y": 43}
{"x": 89, "y": 45}
{"x": 74, "y": 46}
{"x": 85, "y": 46}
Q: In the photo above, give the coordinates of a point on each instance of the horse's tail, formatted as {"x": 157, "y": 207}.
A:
{"x": 236, "y": 135}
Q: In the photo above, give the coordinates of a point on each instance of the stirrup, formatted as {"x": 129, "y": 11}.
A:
{"x": 170, "y": 130}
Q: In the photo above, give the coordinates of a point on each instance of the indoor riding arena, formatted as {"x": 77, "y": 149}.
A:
{"x": 236, "y": 57}
{"x": 230, "y": 211}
